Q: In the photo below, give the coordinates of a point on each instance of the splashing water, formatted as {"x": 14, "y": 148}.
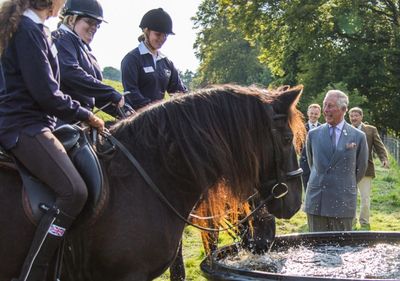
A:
{"x": 379, "y": 261}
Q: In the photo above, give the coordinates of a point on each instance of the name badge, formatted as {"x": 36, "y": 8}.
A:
{"x": 148, "y": 69}
{"x": 54, "y": 50}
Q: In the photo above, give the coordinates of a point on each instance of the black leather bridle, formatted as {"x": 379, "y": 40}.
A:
{"x": 278, "y": 186}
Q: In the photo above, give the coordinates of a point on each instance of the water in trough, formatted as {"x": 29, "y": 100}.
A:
{"x": 313, "y": 256}
{"x": 380, "y": 261}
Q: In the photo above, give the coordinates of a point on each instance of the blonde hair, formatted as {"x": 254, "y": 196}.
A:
{"x": 314, "y": 105}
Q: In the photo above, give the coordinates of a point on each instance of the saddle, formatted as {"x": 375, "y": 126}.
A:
{"x": 36, "y": 194}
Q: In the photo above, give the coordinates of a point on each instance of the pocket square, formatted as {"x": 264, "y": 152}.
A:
{"x": 351, "y": 145}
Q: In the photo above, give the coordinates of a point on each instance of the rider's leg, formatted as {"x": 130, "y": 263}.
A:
{"x": 45, "y": 157}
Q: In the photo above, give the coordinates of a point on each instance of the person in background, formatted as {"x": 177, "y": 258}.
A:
{"x": 81, "y": 76}
{"x": 29, "y": 104}
{"x": 337, "y": 155}
{"x": 374, "y": 144}
{"x": 146, "y": 72}
{"x": 313, "y": 114}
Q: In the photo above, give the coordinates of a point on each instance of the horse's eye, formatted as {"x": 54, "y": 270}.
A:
{"x": 288, "y": 138}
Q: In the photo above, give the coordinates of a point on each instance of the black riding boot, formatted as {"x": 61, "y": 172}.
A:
{"x": 47, "y": 239}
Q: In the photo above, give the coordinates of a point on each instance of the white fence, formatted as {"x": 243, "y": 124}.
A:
{"x": 393, "y": 147}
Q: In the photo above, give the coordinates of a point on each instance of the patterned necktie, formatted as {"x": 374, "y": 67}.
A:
{"x": 333, "y": 137}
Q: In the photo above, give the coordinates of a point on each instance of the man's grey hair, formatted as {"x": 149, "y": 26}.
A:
{"x": 342, "y": 98}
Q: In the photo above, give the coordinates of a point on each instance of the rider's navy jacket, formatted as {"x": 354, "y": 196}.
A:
{"x": 147, "y": 78}
{"x": 32, "y": 98}
{"x": 80, "y": 73}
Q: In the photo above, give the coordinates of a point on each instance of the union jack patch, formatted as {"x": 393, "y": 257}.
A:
{"x": 56, "y": 230}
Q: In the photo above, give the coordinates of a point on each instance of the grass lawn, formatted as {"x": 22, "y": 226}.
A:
{"x": 385, "y": 216}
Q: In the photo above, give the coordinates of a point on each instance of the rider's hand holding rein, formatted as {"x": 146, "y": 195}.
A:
{"x": 96, "y": 122}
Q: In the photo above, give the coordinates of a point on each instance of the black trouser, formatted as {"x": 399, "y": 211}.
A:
{"x": 45, "y": 157}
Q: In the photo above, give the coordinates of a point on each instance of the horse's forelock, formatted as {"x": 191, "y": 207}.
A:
{"x": 296, "y": 124}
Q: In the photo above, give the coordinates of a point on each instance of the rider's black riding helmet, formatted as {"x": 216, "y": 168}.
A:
{"x": 157, "y": 20}
{"x": 85, "y": 8}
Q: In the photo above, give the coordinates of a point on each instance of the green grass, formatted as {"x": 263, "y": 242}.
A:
{"x": 385, "y": 216}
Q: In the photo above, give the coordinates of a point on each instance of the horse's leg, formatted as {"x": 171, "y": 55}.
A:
{"x": 177, "y": 269}
{"x": 16, "y": 231}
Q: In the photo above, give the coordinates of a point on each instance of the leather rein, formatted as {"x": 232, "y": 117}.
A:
{"x": 278, "y": 190}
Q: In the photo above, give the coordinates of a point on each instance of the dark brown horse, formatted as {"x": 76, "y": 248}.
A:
{"x": 241, "y": 138}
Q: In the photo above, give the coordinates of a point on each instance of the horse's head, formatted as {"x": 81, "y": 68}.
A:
{"x": 281, "y": 181}
{"x": 259, "y": 237}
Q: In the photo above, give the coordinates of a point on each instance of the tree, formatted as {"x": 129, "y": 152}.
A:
{"x": 187, "y": 78}
{"x": 317, "y": 43}
{"x": 112, "y": 73}
{"x": 226, "y": 57}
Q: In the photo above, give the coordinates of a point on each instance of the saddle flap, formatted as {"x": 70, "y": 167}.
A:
{"x": 35, "y": 193}
{"x": 68, "y": 135}
{"x": 85, "y": 161}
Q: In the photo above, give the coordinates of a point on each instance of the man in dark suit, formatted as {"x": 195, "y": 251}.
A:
{"x": 374, "y": 144}
{"x": 337, "y": 155}
{"x": 313, "y": 114}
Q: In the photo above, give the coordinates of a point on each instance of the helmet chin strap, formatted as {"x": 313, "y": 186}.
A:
{"x": 148, "y": 45}
{"x": 147, "y": 42}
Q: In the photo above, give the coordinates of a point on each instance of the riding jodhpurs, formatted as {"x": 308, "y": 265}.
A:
{"x": 45, "y": 157}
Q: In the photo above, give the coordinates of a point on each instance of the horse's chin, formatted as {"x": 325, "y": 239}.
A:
{"x": 285, "y": 209}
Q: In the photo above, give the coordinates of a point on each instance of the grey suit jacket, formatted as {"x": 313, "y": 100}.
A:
{"x": 332, "y": 187}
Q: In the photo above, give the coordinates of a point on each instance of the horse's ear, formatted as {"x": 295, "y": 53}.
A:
{"x": 289, "y": 98}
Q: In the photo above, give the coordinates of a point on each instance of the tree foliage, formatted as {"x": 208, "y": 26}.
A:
{"x": 225, "y": 55}
{"x": 112, "y": 73}
{"x": 320, "y": 43}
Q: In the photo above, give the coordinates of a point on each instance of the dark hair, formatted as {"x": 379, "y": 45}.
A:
{"x": 11, "y": 12}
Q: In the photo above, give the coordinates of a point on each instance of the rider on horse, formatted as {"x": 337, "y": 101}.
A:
{"x": 81, "y": 76}
{"x": 30, "y": 102}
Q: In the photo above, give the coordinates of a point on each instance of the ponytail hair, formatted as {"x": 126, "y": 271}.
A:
{"x": 11, "y": 12}
{"x": 141, "y": 38}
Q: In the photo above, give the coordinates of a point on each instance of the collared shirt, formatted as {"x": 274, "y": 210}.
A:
{"x": 338, "y": 130}
{"x": 148, "y": 77}
{"x": 144, "y": 50}
{"x": 33, "y": 16}
{"x": 312, "y": 125}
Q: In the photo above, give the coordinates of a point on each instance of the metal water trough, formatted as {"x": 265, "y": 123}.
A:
{"x": 213, "y": 270}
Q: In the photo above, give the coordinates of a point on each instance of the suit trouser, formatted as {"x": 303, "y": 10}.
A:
{"x": 364, "y": 187}
{"x": 322, "y": 223}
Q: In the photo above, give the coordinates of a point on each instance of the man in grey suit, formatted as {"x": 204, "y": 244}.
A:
{"x": 337, "y": 155}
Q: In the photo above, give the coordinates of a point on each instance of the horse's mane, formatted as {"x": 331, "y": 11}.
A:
{"x": 220, "y": 133}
